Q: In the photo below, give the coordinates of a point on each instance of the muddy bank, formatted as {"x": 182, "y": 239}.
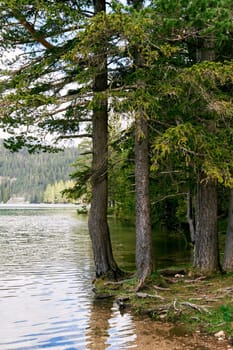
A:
{"x": 181, "y": 311}
{"x": 162, "y": 336}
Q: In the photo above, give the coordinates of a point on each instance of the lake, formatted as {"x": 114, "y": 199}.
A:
{"x": 46, "y": 273}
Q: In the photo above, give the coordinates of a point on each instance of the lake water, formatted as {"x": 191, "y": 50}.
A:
{"x": 46, "y": 273}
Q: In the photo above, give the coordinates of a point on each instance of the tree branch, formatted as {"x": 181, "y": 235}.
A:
{"x": 170, "y": 196}
{"x": 63, "y": 137}
{"x": 30, "y": 28}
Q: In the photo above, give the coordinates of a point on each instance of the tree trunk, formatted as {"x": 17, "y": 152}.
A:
{"x": 143, "y": 217}
{"x": 206, "y": 253}
{"x": 144, "y": 263}
{"x": 190, "y": 216}
{"x": 98, "y": 224}
{"x": 228, "y": 254}
{"x": 206, "y": 241}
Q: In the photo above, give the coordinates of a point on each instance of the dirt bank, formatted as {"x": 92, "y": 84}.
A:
{"x": 156, "y": 336}
{"x": 190, "y": 309}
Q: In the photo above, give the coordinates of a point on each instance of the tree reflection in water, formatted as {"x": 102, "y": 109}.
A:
{"x": 109, "y": 328}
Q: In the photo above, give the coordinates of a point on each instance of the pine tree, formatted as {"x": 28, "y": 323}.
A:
{"x": 58, "y": 81}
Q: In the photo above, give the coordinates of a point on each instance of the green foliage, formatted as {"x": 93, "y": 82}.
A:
{"x": 202, "y": 134}
{"x": 35, "y": 83}
{"x": 121, "y": 173}
{"x": 227, "y": 312}
{"x": 188, "y": 19}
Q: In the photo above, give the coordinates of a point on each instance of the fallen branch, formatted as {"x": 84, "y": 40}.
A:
{"x": 195, "y": 306}
{"x": 161, "y": 288}
{"x": 145, "y": 295}
{"x": 195, "y": 279}
{"x": 206, "y": 297}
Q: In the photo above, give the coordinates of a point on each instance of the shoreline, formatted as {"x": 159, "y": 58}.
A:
{"x": 193, "y": 303}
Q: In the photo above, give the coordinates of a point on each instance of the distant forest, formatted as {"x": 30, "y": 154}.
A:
{"x": 26, "y": 177}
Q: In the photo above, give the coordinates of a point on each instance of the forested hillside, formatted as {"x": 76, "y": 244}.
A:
{"x": 27, "y": 175}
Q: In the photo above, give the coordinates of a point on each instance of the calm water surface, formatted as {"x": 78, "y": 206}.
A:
{"x": 46, "y": 298}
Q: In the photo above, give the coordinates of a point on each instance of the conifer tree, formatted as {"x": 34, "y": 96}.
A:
{"x": 56, "y": 81}
{"x": 197, "y": 111}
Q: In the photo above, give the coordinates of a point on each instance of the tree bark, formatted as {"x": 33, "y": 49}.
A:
{"x": 228, "y": 254}
{"x": 105, "y": 264}
{"x": 206, "y": 241}
{"x": 206, "y": 253}
{"x": 144, "y": 262}
{"x": 143, "y": 217}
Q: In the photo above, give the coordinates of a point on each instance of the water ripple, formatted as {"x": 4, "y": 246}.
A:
{"x": 46, "y": 299}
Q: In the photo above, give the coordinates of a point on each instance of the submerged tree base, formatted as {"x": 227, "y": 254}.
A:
{"x": 182, "y": 296}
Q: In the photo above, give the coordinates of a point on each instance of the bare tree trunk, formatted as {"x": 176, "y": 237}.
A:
{"x": 228, "y": 255}
{"x": 206, "y": 253}
{"x": 143, "y": 217}
{"x": 144, "y": 262}
{"x": 206, "y": 240}
{"x": 98, "y": 225}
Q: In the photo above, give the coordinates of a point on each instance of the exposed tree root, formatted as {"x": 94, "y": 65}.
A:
{"x": 195, "y": 306}
{"x": 140, "y": 285}
{"x": 174, "y": 309}
{"x": 161, "y": 288}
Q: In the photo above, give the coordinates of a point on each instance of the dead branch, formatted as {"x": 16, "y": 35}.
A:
{"x": 195, "y": 306}
{"x": 146, "y": 295}
{"x": 196, "y": 279}
{"x": 161, "y": 288}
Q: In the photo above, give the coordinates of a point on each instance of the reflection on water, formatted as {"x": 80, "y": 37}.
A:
{"x": 110, "y": 329}
{"x": 122, "y": 332}
{"x": 46, "y": 298}
{"x": 169, "y": 248}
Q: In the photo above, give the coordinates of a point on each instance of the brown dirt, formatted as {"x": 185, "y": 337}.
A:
{"x": 189, "y": 296}
{"x": 156, "y": 336}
